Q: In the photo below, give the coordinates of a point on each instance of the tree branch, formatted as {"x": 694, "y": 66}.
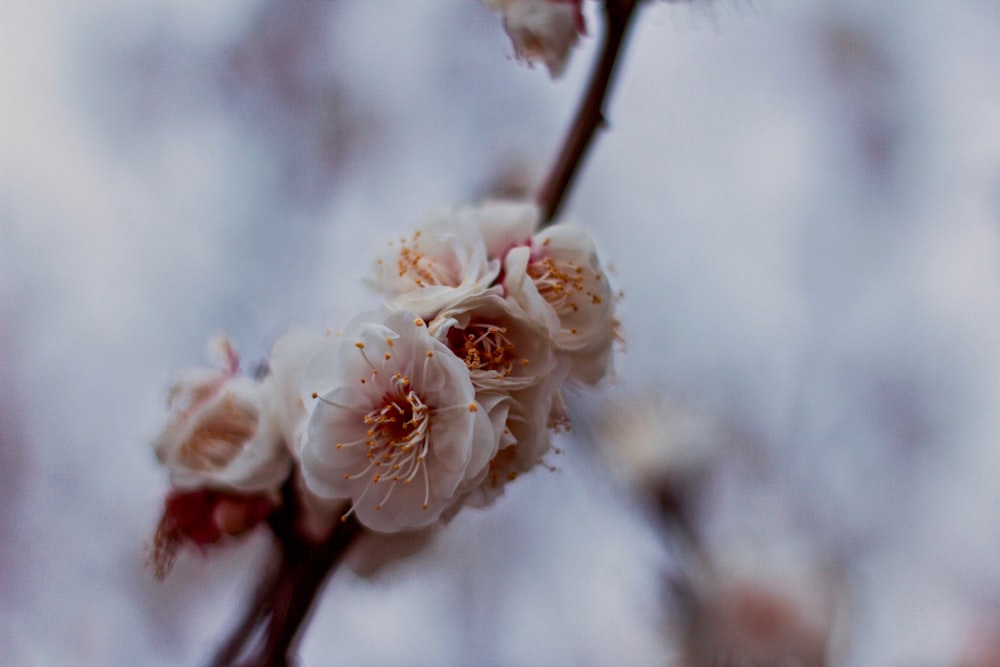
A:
{"x": 307, "y": 570}
{"x": 590, "y": 114}
{"x": 257, "y": 610}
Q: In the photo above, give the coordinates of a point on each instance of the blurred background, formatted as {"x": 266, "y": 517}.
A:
{"x": 799, "y": 457}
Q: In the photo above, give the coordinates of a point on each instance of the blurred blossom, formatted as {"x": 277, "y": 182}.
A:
{"x": 373, "y": 552}
{"x": 648, "y": 437}
{"x": 201, "y": 518}
{"x": 864, "y": 76}
{"x": 757, "y": 607}
{"x": 224, "y": 430}
{"x": 542, "y": 30}
{"x": 982, "y": 648}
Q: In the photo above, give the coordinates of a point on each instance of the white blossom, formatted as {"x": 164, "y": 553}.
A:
{"x": 222, "y": 431}
{"x": 502, "y": 224}
{"x": 396, "y": 425}
{"x": 502, "y": 350}
{"x": 542, "y": 30}
{"x": 440, "y": 263}
{"x": 282, "y": 386}
{"x": 527, "y": 439}
{"x": 558, "y": 281}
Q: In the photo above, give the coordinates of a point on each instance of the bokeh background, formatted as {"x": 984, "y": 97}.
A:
{"x": 800, "y": 202}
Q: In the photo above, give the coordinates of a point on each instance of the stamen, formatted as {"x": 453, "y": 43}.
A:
{"x": 323, "y": 399}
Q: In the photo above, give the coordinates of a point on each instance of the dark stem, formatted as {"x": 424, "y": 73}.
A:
{"x": 590, "y": 114}
{"x": 258, "y": 608}
{"x": 306, "y": 568}
{"x": 296, "y": 574}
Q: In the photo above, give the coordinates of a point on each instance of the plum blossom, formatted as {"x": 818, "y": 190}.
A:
{"x": 542, "y": 30}
{"x": 528, "y": 416}
{"x": 501, "y": 350}
{"x": 440, "y": 263}
{"x": 204, "y": 517}
{"x": 283, "y": 381}
{"x": 558, "y": 281}
{"x": 223, "y": 431}
{"x": 396, "y": 426}
{"x": 502, "y": 224}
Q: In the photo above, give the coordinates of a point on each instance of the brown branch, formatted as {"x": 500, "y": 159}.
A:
{"x": 590, "y": 115}
{"x": 257, "y": 610}
{"x": 283, "y": 599}
{"x": 307, "y": 570}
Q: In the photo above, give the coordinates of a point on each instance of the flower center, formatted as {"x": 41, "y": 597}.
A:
{"x": 220, "y": 435}
{"x": 559, "y": 285}
{"x": 484, "y": 346}
{"x": 397, "y": 438}
{"x": 420, "y": 268}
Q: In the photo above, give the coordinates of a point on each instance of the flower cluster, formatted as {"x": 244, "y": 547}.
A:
{"x": 436, "y": 400}
{"x": 449, "y": 391}
{"x": 229, "y": 444}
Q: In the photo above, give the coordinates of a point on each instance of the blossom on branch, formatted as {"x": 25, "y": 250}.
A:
{"x": 501, "y": 350}
{"x": 224, "y": 431}
{"x": 440, "y": 263}
{"x": 542, "y": 30}
{"x": 202, "y": 518}
{"x": 545, "y": 315}
{"x": 557, "y": 279}
{"x": 396, "y": 426}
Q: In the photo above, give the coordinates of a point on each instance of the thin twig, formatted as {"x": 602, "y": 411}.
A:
{"x": 590, "y": 114}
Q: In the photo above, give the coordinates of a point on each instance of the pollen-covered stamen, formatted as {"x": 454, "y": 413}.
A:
{"x": 562, "y": 285}
{"x": 364, "y": 355}
{"x": 397, "y": 436}
{"x": 424, "y": 271}
{"x": 484, "y": 346}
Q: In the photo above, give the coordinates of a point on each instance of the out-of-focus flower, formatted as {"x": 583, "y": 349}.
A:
{"x": 526, "y": 436}
{"x": 375, "y": 552}
{"x": 201, "y": 518}
{"x": 542, "y": 30}
{"x": 558, "y": 281}
{"x": 760, "y": 605}
{"x": 650, "y": 438}
{"x": 223, "y": 432}
{"x": 439, "y": 264}
{"x": 396, "y": 426}
{"x": 282, "y": 385}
